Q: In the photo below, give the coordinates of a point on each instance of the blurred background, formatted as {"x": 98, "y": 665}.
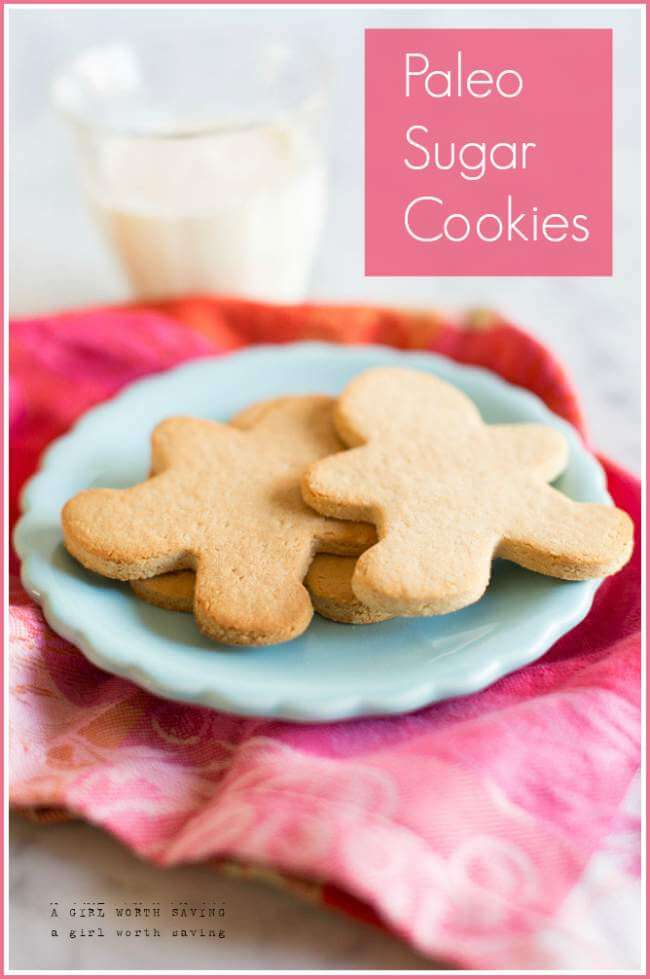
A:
{"x": 59, "y": 259}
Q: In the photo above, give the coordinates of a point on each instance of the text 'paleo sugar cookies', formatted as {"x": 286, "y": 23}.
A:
{"x": 448, "y": 493}
{"x": 225, "y": 501}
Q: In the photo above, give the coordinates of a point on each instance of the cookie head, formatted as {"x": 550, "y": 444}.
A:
{"x": 374, "y": 403}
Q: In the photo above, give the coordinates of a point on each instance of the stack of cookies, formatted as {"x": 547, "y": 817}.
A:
{"x": 390, "y": 501}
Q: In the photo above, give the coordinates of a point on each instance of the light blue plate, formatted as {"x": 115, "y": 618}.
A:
{"x": 333, "y": 671}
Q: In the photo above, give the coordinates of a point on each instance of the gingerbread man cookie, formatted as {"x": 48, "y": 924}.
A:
{"x": 448, "y": 493}
{"x": 226, "y": 503}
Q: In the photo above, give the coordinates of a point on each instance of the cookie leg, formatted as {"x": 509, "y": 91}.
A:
{"x": 564, "y": 539}
{"x": 329, "y": 581}
{"x": 254, "y": 598}
{"x": 403, "y": 576}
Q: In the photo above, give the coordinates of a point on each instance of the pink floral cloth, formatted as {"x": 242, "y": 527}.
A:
{"x": 480, "y": 829}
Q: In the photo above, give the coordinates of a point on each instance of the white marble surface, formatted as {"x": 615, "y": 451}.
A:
{"x": 265, "y": 928}
{"x": 58, "y": 260}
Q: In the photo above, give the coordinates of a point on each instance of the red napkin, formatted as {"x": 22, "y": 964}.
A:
{"x": 468, "y": 827}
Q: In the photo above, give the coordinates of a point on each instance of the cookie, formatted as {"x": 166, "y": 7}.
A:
{"x": 173, "y": 591}
{"x": 327, "y": 581}
{"x": 225, "y": 502}
{"x": 448, "y": 493}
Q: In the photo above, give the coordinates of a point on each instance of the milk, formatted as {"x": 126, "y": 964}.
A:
{"x": 236, "y": 211}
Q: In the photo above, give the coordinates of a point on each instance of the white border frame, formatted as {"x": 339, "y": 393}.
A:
{"x": 641, "y": 7}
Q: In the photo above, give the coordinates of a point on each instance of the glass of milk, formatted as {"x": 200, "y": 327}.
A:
{"x": 203, "y": 162}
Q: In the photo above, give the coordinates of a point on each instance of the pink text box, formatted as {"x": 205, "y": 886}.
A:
{"x": 549, "y": 89}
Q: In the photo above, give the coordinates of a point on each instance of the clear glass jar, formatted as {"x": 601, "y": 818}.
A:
{"x": 204, "y": 165}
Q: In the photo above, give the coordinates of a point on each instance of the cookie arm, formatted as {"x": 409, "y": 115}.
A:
{"x": 540, "y": 449}
{"x": 556, "y": 536}
{"x": 341, "y": 485}
{"x": 119, "y": 533}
